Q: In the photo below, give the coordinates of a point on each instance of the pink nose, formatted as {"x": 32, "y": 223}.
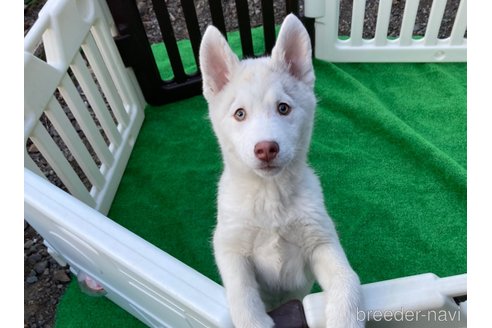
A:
{"x": 266, "y": 150}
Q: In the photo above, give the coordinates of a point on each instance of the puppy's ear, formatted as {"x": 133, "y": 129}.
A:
{"x": 292, "y": 52}
{"x": 217, "y": 61}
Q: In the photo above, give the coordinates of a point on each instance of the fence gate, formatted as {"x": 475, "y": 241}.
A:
{"x": 135, "y": 47}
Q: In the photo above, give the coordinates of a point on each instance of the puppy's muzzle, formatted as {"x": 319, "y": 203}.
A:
{"x": 266, "y": 151}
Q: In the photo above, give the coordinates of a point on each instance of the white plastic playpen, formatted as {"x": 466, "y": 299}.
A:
{"x": 150, "y": 284}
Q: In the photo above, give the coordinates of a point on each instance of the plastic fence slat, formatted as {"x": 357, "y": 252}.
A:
{"x": 83, "y": 76}
{"x": 292, "y": 6}
{"x": 167, "y": 32}
{"x": 72, "y": 140}
{"x": 217, "y": 15}
{"x": 79, "y": 110}
{"x": 408, "y": 22}
{"x": 435, "y": 19}
{"x": 244, "y": 28}
{"x": 116, "y": 68}
{"x": 40, "y": 79}
{"x": 459, "y": 27}
{"x": 104, "y": 78}
{"x": 268, "y": 24}
{"x": 382, "y": 24}
{"x": 358, "y": 10}
{"x": 192, "y": 26}
{"x": 43, "y": 141}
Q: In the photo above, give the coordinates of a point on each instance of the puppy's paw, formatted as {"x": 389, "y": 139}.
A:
{"x": 342, "y": 304}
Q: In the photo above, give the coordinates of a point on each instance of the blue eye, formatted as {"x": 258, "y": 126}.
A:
{"x": 283, "y": 109}
{"x": 240, "y": 115}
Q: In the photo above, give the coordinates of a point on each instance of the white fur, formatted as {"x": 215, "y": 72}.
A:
{"x": 273, "y": 236}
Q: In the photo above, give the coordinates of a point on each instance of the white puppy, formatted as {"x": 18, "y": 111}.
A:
{"x": 273, "y": 236}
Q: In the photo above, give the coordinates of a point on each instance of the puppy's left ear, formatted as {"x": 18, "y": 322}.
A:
{"x": 292, "y": 52}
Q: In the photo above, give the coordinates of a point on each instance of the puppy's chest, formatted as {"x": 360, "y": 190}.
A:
{"x": 277, "y": 260}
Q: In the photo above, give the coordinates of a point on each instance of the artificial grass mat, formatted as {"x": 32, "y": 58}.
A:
{"x": 389, "y": 146}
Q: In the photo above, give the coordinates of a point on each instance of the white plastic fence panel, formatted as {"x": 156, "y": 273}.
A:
{"x": 78, "y": 44}
{"x": 153, "y": 286}
{"x": 421, "y": 301}
{"x": 405, "y": 48}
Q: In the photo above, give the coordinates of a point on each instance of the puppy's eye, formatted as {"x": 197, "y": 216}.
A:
{"x": 283, "y": 109}
{"x": 240, "y": 115}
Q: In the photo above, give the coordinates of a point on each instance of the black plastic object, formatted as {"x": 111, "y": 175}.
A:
{"x": 134, "y": 46}
{"x": 289, "y": 315}
{"x": 460, "y": 299}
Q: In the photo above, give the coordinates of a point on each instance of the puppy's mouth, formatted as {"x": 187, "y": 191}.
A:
{"x": 268, "y": 169}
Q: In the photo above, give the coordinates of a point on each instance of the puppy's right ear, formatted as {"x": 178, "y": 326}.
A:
{"x": 217, "y": 61}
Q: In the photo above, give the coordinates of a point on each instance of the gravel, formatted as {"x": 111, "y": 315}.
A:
{"x": 45, "y": 280}
{"x": 42, "y": 288}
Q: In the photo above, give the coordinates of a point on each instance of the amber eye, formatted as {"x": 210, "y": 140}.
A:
{"x": 283, "y": 109}
{"x": 240, "y": 115}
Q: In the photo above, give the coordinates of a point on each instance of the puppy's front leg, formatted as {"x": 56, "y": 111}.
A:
{"x": 245, "y": 305}
{"x": 340, "y": 284}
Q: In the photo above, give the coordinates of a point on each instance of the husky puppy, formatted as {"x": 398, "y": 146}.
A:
{"x": 273, "y": 236}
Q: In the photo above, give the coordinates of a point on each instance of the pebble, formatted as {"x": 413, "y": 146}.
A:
{"x": 61, "y": 276}
{"x": 32, "y": 249}
{"x": 52, "y": 261}
{"x": 40, "y": 267}
{"x": 28, "y": 244}
{"x": 33, "y": 149}
{"x": 31, "y": 280}
{"x": 34, "y": 258}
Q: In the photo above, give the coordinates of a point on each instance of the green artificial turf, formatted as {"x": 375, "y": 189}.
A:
{"x": 389, "y": 146}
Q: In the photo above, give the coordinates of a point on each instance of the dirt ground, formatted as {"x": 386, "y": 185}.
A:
{"x": 44, "y": 280}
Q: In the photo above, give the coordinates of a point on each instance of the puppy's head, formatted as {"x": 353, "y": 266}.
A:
{"x": 261, "y": 109}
